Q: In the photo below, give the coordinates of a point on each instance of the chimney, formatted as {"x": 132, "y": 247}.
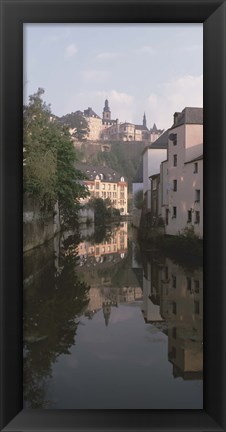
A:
{"x": 176, "y": 117}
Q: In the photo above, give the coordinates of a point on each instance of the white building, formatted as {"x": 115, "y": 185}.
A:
{"x": 182, "y": 174}
{"x": 153, "y": 155}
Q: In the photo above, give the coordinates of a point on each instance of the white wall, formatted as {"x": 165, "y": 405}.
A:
{"x": 152, "y": 159}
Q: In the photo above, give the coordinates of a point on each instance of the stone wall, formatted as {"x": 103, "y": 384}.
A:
{"x": 38, "y": 227}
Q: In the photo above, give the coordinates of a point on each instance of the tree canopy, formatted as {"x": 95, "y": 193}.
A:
{"x": 49, "y": 161}
{"x": 76, "y": 121}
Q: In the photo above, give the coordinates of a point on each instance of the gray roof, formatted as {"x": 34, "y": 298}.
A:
{"x": 90, "y": 113}
{"x": 138, "y": 178}
{"x": 91, "y": 171}
{"x": 160, "y": 143}
{"x": 195, "y": 159}
{"x": 141, "y": 127}
{"x": 189, "y": 115}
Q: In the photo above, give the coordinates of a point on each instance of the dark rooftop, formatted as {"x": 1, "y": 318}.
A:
{"x": 160, "y": 143}
{"x": 90, "y": 113}
{"x": 189, "y": 115}
{"x": 91, "y": 171}
{"x": 141, "y": 127}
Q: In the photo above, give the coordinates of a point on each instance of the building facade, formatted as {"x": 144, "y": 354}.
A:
{"x": 103, "y": 182}
{"x": 182, "y": 174}
{"x": 106, "y": 128}
{"x": 94, "y": 124}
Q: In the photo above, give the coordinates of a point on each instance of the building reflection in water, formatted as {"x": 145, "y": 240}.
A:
{"x": 70, "y": 278}
{"x": 111, "y": 279}
{"x": 170, "y": 296}
{"x": 173, "y": 302}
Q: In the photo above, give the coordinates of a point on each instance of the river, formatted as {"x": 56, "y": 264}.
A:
{"x": 109, "y": 326}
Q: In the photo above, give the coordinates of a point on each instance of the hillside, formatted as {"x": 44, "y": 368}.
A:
{"x": 124, "y": 157}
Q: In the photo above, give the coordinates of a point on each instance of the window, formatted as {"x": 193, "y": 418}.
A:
{"x": 174, "y": 332}
{"x": 103, "y": 186}
{"x": 197, "y": 217}
{"x": 167, "y": 216}
{"x": 174, "y": 308}
{"x": 189, "y": 284}
{"x": 97, "y": 185}
{"x": 175, "y": 160}
{"x": 175, "y": 185}
{"x": 195, "y": 167}
{"x": 175, "y": 141}
{"x": 197, "y": 195}
{"x": 174, "y": 212}
{"x": 154, "y": 184}
{"x": 189, "y": 216}
{"x": 174, "y": 281}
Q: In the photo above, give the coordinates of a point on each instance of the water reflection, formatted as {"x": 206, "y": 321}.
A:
{"x": 173, "y": 303}
{"x": 77, "y": 286}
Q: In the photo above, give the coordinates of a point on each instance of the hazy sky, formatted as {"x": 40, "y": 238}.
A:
{"x": 156, "y": 68}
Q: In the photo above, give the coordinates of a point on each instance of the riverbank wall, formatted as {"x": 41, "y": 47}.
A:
{"x": 38, "y": 227}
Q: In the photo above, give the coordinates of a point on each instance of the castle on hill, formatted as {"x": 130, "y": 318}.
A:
{"x": 106, "y": 128}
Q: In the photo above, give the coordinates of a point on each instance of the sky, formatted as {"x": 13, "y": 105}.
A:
{"x": 151, "y": 68}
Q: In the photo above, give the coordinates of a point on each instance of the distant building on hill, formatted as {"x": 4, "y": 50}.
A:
{"x": 106, "y": 128}
{"x": 94, "y": 124}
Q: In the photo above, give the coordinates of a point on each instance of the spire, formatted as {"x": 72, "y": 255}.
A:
{"x": 106, "y": 106}
{"x": 107, "y": 312}
{"x": 106, "y": 111}
{"x": 144, "y": 121}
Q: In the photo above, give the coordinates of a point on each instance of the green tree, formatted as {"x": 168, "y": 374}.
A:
{"x": 138, "y": 199}
{"x": 49, "y": 162}
{"x": 76, "y": 121}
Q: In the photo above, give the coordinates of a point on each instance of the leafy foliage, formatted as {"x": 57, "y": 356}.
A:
{"x": 76, "y": 121}
{"x": 53, "y": 304}
{"x": 103, "y": 210}
{"x": 138, "y": 199}
{"x": 49, "y": 171}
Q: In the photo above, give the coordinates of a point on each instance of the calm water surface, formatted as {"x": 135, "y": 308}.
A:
{"x": 106, "y": 326}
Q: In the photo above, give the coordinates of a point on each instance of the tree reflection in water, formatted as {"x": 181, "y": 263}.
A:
{"x": 53, "y": 303}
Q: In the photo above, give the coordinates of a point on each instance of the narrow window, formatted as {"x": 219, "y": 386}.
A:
{"x": 174, "y": 307}
{"x": 195, "y": 167}
{"x": 189, "y": 284}
{"x": 167, "y": 216}
{"x": 174, "y": 281}
{"x": 197, "y": 195}
{"x": 189, "y": 216}
{"x": 197, "y": 217}
{"x": 174, "y": 332}
{"x": 174, "y": 212}
{"x": 175, "y": 160}
{"x": 175, "y": 185}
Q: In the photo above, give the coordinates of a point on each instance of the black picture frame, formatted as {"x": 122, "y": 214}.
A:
{"x": 212, "y": 14}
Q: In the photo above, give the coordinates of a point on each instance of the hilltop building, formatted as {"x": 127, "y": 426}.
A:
{"x": 106, "y": 128}
{"x": 94, "y": 124}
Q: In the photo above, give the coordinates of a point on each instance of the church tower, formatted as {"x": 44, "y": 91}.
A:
{"x": 144, "y": 121}
{"x": 106, "y": 111}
